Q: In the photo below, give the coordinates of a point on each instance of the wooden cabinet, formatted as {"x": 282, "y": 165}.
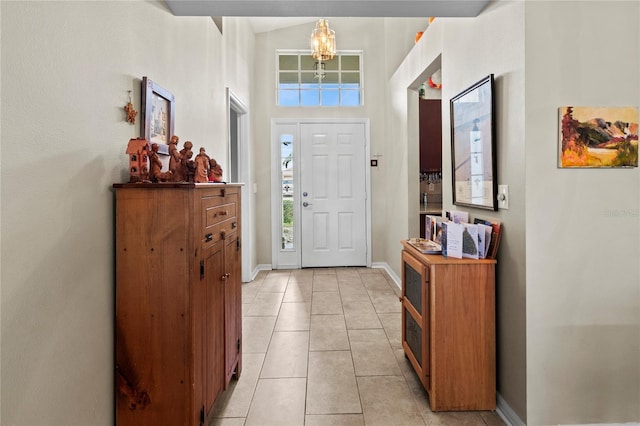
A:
{"x": 448, "y": 328}
{"x": 178, "y": 300}
{"x": 430, "y": 117}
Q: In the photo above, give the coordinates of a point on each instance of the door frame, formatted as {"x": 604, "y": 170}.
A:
{"x": 244, "y": 176}
{"x": 293, "y": 259}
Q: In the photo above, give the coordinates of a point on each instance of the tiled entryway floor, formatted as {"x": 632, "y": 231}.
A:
{"x": 323, "y": 347}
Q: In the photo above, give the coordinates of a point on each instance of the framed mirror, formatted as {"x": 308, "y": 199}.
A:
{"x": 473, "y": 146}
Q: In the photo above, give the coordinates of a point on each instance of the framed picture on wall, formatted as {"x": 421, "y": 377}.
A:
{"x": 158, "y": 109}
{"x": 594, "y": 137}
{"x": 473, "y": 146}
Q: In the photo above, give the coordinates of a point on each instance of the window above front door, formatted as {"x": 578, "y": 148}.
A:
{"x": 298, "y": 82}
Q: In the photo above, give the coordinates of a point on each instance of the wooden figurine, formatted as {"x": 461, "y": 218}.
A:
{"x": 130, "y": 110}
{"x": 215, "y": 171}
{"x": 174, "y": 158}
{"x": 202, "y": 167}
{"x": 138, "y": 150}
{"x": 156, "y": 174}
{"x": 186, "y": 163}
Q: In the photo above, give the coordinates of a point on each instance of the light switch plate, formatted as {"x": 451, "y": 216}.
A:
{"x": 503, "y": 197}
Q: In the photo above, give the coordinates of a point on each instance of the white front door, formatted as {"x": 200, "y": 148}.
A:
{"x": 333, "y": 194}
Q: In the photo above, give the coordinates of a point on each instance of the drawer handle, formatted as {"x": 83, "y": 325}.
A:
{"x": 208, "y": 237}
{"x": 223, "y": 234}
{"x": 234, "y": 225}
{"x": 225, "y": 276}
{"x": 224, "y": 212}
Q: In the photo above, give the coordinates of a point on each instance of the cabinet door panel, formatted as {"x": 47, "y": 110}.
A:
{"x": 214, "y": 328}
{"x": 232, "y": 305}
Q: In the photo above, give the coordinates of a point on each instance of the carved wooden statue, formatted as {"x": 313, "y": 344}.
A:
{"x": 157, "y": 175}
{"x": 215, "y": 171}
{"x": 174, "y": 157}
{"x": 202, "y": 167}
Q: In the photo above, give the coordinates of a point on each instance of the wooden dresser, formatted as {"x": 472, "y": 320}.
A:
{"x": 448, "y": 328}
{"x": 178, "y": 300}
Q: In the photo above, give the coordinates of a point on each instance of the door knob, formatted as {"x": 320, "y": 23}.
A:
{"x": 305, "y": 204}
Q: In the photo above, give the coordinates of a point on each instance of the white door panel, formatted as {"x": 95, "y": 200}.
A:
{"x": 333, "y": 211}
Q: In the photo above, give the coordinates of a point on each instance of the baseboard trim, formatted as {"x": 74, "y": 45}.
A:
{"x": 506, "y": 413}
{"x": 384, "y": 265}
{"x": 258, "y": 268}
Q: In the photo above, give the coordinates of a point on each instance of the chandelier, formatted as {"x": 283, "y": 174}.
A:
{"x": 323, "y": 45}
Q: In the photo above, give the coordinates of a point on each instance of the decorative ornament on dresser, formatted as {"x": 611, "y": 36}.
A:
{"x": 138, "y": 150}
{"x": 215, "y": 171}
{"x": 130, "y": 110}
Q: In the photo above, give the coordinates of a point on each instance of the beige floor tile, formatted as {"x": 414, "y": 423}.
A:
{"x": 420, "y": 395}
{"x": 385, "y": 302}
{"x": 360, "y": 314}
{"x": 298, "y": 291}
{"x": 278, "y": 402}
{"x": 372, "y": 353}
{"x": 328, "y": 333}
{"x": 235, "y": 421}
{"x": 235, "y": 401}
{"x": 348, "y": 274}
{"x": 287, "y": 355}
{"x": 354, "y": 295}
{"x": 334, "y": 420}
{"x": 358, "y": 306}
{"x": 392, "y": 324}
{"x": 275, "y": 283}
{"x": 458, "y": 418}
{"x": 332, "y": 387}
{"x": 325, "y": 282}
{"x": 302, "y": 274}
{"x": 362, "y": 321}
{"x": 256, "y": 333}
{"x": 286, "y": 331}
{"x": 491, "y": 418}
{"x": 294, "y": 316}
{"x": 326, "y": 303}
{"x": 265, "y": 304}
{"x": 386, "y": 400}
{"x": 350, "y": 280}
{"x": 324, "y": 271}
{"x": 249, "y": 291}
{"x": 376, "y": 282}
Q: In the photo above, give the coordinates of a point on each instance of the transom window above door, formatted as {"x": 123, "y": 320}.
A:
{"x": 302, "y": 81}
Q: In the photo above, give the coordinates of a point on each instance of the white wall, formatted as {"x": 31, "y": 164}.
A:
{"x": 384, "y": 42}
{"x": 583, "y": 233}
{"x": 66, "y": 70}
{"x": 568, "y": 295}
{"x": 469, "y": 49}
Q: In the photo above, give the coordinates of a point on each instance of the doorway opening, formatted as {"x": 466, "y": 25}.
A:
{"x": 239, "y": 171}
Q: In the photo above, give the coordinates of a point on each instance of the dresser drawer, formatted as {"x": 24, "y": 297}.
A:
{"x": 219, "y": 231}
{"x": 217, "y": 214}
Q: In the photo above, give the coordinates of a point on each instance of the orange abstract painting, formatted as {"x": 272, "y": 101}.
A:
{"x": 598, "y": 137}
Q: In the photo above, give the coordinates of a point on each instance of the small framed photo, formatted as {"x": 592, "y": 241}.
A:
{"x": 473, "y": 146}
{"x": 158, "y": 109}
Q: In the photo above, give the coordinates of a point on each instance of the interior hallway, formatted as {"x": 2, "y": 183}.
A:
{"x": 323, "y": 347}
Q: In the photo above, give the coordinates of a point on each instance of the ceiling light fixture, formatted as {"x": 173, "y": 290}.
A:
{"x": 323, "y": 45}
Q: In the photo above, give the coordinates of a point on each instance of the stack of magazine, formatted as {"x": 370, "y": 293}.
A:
{"x": 425, "y": 246}
{"x": 458, "y": 238}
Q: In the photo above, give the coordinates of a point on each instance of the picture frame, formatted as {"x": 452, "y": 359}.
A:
{"x": 158, "y": 112}
{"x": 473, "y": 146}
{"x": 597, "y": 137}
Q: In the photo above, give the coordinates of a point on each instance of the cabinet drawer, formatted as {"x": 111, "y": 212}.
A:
{"x": 219, "y": 231}
{"x": 216, "y": 214}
